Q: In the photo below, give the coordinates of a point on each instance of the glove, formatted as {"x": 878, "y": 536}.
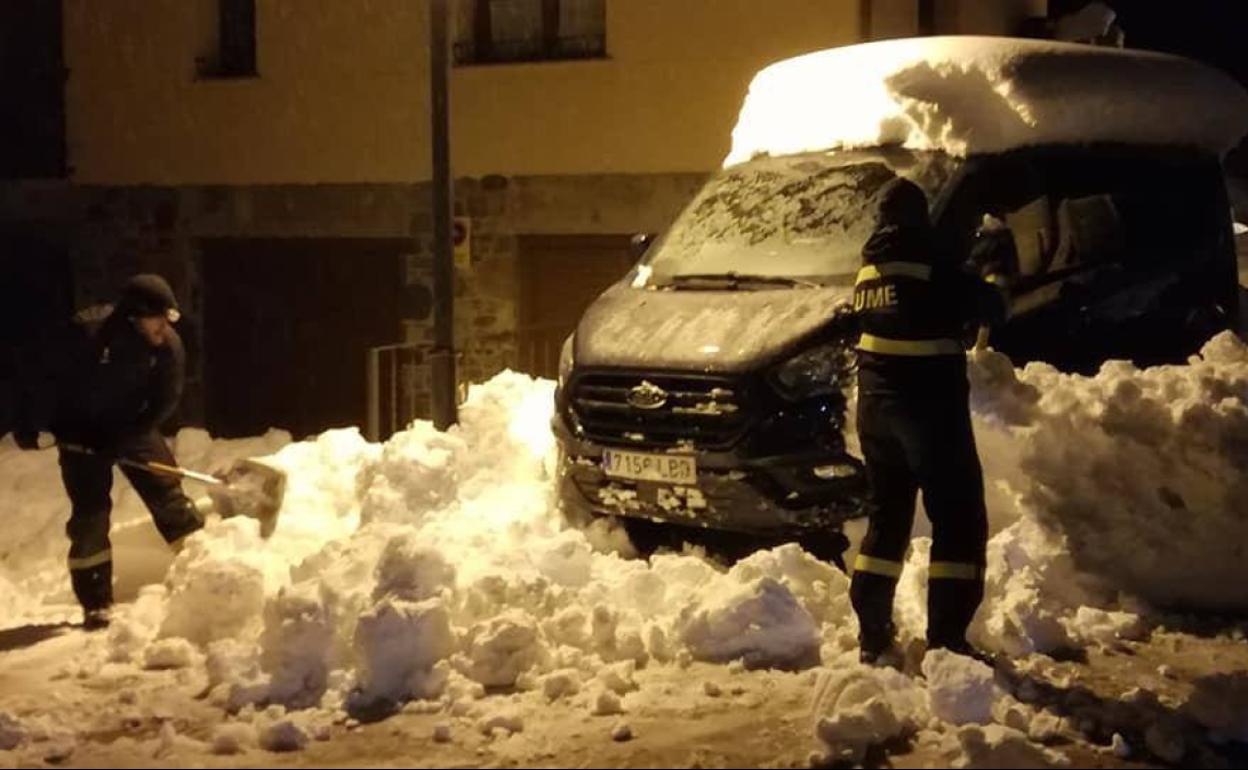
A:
{"x": 26, "y": 439}
{"x": 105, "y": 448}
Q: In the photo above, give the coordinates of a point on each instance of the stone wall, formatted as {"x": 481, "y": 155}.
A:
{"x": 113, "y": 232}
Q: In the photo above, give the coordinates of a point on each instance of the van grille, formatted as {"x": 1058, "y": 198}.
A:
{"x": 707, "y": 411}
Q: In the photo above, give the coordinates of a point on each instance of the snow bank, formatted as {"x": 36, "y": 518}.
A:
{"x": 1137, "y": 477}
{"x": 967, "y": 95}
{"x": 436, "y": 567}
{"x": 34, "y": 509}
{"x": 1032, "y": 586}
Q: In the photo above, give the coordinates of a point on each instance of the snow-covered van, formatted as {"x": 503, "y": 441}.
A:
{"x": 708, "y": 387}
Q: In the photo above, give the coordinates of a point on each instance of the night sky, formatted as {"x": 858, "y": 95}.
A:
{"x": 1212, "y": 31}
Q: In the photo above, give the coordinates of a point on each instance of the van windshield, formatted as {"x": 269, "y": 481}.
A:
{"x": 799, "y": 217}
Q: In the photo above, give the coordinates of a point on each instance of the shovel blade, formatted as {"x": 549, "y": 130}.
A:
{"x": 251, "y": 488}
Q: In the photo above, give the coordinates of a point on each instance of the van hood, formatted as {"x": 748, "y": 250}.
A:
{"x": 706, "y": 331}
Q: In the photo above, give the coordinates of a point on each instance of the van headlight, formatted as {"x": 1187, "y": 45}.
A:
{"x": 819, "y": 371}
{"x": 566, "y": 360}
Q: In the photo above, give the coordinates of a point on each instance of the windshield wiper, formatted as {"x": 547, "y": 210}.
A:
{"x": 735, "y": 280}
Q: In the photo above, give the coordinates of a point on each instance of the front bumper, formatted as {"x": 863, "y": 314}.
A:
{"x": 767, "y": 496}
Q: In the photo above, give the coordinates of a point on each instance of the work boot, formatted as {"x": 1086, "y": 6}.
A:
{"x": 878, "y": 646}
{"x": 93, "y": 586}
{"x": 965, "y": 649}
{"x": 96, "y": 619}
{"x": 891, "y": 657}
{"x": 951, "y": 606}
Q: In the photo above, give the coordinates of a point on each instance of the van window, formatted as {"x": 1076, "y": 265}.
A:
{"x": 1010, "y": 190}
{"x": 1060, "y": 219}
{"x": 1171, "y": 213}
{"x": 803, "y": 216}
{"x": 1101, "y": 212}
{"x": 1090, "y": 230}
{"x": 1032, "y": 228}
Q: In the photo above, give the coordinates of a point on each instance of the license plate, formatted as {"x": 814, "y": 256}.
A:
{"x": 639, "y": 466}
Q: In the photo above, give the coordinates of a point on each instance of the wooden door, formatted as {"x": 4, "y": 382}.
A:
{"x": 560, "y": 275}
{"x": 287, "y": 327}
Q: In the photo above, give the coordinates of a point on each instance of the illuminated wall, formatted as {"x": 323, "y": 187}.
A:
{"x": 342, "y": 92}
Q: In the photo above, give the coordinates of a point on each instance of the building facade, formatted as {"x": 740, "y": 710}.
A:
{"x": 272, "y": 157}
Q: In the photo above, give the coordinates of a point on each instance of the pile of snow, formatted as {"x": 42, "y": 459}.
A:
{"x": 436, "y": 568}
{"x": 12, "y": 733}
{"x": 1220, "y": 704}
{"x": 35, "y": 508}
{"x": 962, "y": 690}
{"x": 1135, "y": 477}
{"x": 234, "y": 738}
{"x": 992, "y": 746}
{"x": 857, "y": 707}
{"x": 761, "y": 623}
{"x": 968, "y": 95}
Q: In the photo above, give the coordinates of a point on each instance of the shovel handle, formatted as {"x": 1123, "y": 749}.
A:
{"x": 152, "y": 467}
{"x": 171, "y": 470}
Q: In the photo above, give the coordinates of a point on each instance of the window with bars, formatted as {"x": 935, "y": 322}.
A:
{"x": 499, "y": 31}
{"x": 235, "y": 54}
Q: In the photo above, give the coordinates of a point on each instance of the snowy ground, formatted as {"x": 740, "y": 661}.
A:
{"x": 422, "y": 602}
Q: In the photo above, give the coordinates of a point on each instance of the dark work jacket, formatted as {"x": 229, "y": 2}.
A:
{"x": 900, "y": 307}
{"x": 99, "y": 383}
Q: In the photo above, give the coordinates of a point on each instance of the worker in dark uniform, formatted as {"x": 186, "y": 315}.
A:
{"x": 914, "y": 422}
{"x": 103, "y": 387}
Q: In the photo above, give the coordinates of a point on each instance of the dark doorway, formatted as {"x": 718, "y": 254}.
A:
{"x": 32, "y": 90}
{"x": 560, "y": 275}
{"x": 36, "y": 297}
{"x": 287, "y": 326}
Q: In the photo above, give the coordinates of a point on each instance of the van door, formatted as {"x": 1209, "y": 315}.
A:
{"x": 1119, "y": 254}
{"x": 1144, "y": 235}
{"x": 1004, "y": 220}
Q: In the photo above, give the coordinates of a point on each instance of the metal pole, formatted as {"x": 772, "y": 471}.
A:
{"x": 394, "y": 395}
{"x": 413, "y": 366}
{"x": 374, "y": 395}
{"x": 443, "y": 359}
{"x": 927, "y": 17}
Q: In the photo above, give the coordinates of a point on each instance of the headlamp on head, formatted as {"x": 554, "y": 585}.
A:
{"x": 149, "y": 296}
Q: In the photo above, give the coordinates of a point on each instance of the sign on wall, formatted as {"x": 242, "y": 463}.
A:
{"x": 461, "y": 241}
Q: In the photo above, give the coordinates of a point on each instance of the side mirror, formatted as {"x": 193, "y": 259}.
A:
{"x": 639, "y": 244}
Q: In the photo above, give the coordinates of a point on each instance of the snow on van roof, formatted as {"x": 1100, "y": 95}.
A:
{"x": 971, "y": 95}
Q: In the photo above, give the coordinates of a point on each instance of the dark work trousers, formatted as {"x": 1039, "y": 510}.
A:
{"x": 88, "y": 480}
{"x": 910, "y": 444}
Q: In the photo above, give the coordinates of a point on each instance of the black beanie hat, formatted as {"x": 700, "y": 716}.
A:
{"x": 902, "y": 202}
{"x": 147, "y": 294}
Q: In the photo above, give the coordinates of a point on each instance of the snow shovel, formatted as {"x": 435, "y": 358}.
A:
{"x": 248, "y": 487}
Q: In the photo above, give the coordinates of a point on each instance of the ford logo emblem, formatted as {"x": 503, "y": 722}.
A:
{"x": 647, "y": 395}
